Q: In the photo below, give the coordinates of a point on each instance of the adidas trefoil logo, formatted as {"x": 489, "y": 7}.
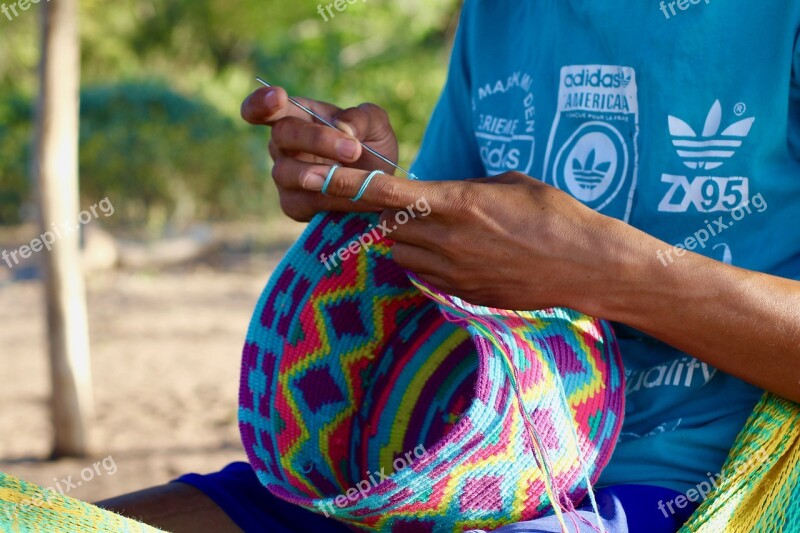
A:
{"x": 589, "y": 175}
{"x": 709, "y": 150}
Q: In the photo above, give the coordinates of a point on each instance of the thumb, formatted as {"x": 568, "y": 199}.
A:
{"x": 367, "y": 122}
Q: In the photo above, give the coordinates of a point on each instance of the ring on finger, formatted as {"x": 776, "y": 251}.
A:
{"x": 329, "y": 178}
{"x": 364, "y": 186}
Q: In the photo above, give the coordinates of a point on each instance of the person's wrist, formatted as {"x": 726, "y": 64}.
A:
{"x": 625, "y": 271}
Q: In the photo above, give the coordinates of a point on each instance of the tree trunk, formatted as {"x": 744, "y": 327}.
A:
{"x": 56, "y": 171}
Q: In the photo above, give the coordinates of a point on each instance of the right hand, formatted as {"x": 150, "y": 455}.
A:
{"x": 296, "y": 135}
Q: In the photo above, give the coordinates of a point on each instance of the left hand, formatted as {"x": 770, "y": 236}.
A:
{"x": 508, "y": 242}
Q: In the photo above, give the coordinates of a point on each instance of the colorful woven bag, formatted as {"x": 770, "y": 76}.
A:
{"x": 371, "y": 398}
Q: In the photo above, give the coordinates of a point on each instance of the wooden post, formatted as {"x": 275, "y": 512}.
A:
{"x": 55, "y": 167}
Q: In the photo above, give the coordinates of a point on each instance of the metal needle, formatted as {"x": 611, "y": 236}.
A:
{"x": 330, "y": 125}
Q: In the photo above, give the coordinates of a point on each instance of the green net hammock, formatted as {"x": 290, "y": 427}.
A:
{"x": 758, "y": 496}
{"x": 25, "y": 507}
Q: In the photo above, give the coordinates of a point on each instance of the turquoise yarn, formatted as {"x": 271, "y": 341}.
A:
{"x": 364, "y": 186}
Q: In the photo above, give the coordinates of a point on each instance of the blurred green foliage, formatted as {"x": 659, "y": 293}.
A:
{"x": 168, "y": 157}
{"x": 15, "y": 135}
{"x": 163, "y": 81}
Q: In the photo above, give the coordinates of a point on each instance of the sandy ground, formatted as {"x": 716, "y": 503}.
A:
{"x": 165, "y": 361}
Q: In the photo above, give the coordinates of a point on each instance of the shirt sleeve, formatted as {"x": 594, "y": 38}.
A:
{"x": 794, "y": 103}
{"x": 449, "y": 150}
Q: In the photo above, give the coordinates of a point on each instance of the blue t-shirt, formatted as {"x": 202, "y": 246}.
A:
{"x": 680, "y": 118}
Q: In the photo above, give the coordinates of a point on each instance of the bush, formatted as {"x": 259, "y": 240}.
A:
{"x": 15, "y": 146}
{"x": 160, "y": 157}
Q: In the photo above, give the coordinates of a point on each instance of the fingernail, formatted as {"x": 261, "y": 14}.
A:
{"x": 313, "y": 182}
{"x": 347, "y": 128}
{"x": 271, "y": 98}
{"x": 346, "y": 148}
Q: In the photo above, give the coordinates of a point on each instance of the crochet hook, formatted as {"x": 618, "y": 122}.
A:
{"x": 330, "y": 125}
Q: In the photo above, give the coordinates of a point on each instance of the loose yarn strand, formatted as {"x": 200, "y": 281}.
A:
{"x": 536, "y": 442}
{"x": 584, "y": 469}
{"x": 574, "y": 434}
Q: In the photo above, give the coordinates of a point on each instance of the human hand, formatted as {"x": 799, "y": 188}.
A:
{"x": 296, "y": 136}
{"x": 510, "y": 242}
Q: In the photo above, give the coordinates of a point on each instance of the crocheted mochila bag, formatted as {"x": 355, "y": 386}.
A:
{"x": 370, "y": 397}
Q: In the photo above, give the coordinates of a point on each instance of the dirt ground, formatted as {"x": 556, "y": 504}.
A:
{"x": 165, "y": 362}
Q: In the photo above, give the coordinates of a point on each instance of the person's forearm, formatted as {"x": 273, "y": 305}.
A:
{"x": 744, "y": 323}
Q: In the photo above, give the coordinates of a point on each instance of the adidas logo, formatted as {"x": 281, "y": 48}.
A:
{"x": 589, "y": 175}
{"x": 599, "y": 78}
{"x": 709, "y": 150}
